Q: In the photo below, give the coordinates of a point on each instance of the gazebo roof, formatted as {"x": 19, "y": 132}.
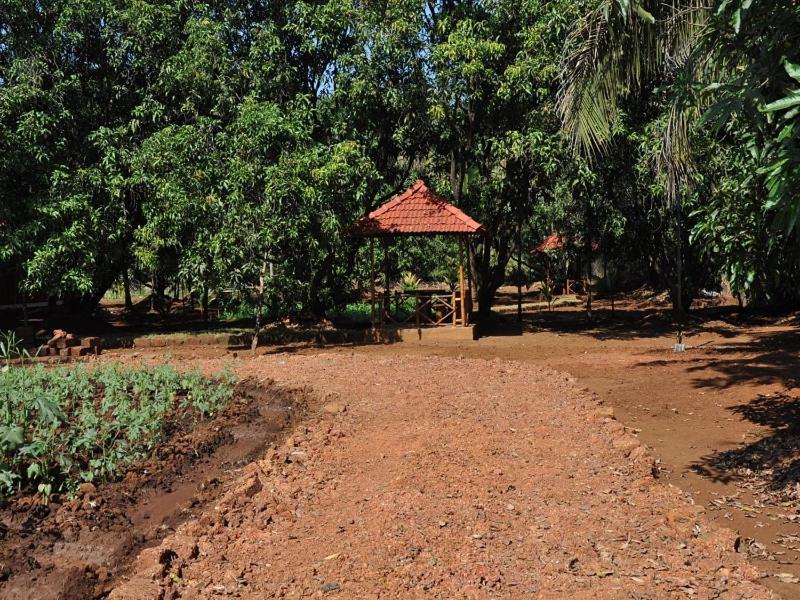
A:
{"x": 556, "y": 241}
{"x": 551, "y": 242}
{"x": 417, "y": 211}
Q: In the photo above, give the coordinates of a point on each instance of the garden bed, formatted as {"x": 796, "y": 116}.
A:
{"x": 76, "y": 543}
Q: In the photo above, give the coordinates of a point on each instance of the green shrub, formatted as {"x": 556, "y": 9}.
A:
{"x": 63, "y": 426}
{"x": 352, "y": 314}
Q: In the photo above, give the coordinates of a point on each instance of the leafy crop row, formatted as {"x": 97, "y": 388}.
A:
{"x": 64, "y": 426}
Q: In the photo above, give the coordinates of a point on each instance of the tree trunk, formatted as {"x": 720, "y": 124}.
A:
{"x": 519, "y": 272}
{"x": 484, "y": 289}
{"x": 491, "y": 277}
{"x": 677, "y": 299}
{"x": 259, "y": 303}
{"x": 204, "y": 302}
{"x": 126, "y": 285}
{"x": 387, "y": 295}
{"x": 316, "y": 303}
{"x": 589, "y": 280}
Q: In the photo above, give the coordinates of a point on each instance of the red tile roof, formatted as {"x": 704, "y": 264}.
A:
{"x": 551, "y": 242}
{"x": 555, "y": 241}
{"x": 417, "y": 211}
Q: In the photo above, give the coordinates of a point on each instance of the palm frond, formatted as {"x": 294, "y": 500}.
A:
{"x": 611, "y": 52}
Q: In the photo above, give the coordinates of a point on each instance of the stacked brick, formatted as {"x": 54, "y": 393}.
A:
{"x": 67, "y": 344}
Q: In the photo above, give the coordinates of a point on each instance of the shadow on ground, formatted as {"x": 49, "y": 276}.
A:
{"x": 769, "y": 357}
{"x": 771, "y": 463}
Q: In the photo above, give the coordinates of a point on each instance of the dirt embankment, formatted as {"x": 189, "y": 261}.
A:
{"x": 76, "y": 549}
{"x": 426, "y": 477}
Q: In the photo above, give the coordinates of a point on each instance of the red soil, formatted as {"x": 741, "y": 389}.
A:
{"x": 426, "y": 476}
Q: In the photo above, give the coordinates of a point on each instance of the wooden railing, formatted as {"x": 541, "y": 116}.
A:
{"x": 421, "y": 307}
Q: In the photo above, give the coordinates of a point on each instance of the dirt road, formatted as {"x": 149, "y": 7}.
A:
{"x": 432, "y": 476}
{"x": 722, "y": 417}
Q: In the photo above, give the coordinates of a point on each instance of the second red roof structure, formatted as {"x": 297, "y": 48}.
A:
{"x": 417, "y": 211}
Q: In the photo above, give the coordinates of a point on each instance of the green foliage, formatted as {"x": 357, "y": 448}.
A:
{"x": 357, "y": 313}
{"x": 409, "y": 282}
{"x": 11, "y": 347}
{"x": 228, "y": 148}
{"x": 60, "y": 427}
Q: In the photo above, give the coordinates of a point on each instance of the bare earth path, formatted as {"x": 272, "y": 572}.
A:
{"x": 445, "y": 477}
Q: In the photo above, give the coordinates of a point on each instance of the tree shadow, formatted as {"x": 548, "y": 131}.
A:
{"x": 766, "y": 357}
{"x": 631, "y": 323}
{"x": 771, "y": 463}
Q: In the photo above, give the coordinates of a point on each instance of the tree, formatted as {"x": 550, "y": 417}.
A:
{"x": 716, "y": 57}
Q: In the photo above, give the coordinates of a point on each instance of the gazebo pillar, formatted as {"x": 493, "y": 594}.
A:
{"x": 372, "y": 316}
{"x": 387, "y": 299}
{"x": 461, "y": 286}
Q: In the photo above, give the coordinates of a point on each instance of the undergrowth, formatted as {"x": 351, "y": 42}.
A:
{"x": 60, "y": 427}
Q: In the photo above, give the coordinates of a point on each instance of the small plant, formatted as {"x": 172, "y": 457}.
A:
{"x": 612, "y": 281}
{"x": 11, "y": 347}
{"x": 409, "y": 282}
{"x": 547, "y": 293}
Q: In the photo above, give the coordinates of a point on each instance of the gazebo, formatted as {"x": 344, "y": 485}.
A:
{"x": 556, "y": 242}
{"x": 419, "y": 211}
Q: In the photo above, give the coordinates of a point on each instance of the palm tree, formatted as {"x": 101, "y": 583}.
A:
{"x": 731, "y": 57}
{"x": 615, "y": 50}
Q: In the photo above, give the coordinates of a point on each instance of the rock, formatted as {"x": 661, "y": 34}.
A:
{"x": 681, "y": 520}
{"x": 251, "y": 488}
{"x": 138, "y": 589}
{"x": 87, "y": 488}
{"x": 57, "y": 335}
{"x": 331, "y": 586}
{"x": 626, "y": 443}
{"x": 613, "y": 428}
{"x": 335, "y": 407}
{"x": 183, "y": 546}
{"x": 603, "y": 412}
{"x": 298, "y": 456}
{"x": 150, "y": 564}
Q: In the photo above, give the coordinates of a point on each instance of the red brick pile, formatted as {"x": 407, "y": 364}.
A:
{"x": 67, "y": 344}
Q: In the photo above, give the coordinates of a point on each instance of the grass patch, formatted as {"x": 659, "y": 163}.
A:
{"x": 358, "y": 313}
{"x": 64, "y": 426}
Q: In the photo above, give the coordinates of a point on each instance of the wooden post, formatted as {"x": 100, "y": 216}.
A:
{"x": 416, "y": 312}
{"x": 462, "y": 287}
{"x": 387, "y": 299}
{"x": 455, "y": 310}
{"x": 519, "y": 273}
{"x": 372, "y": 319}
{"x": 470, "y": 291}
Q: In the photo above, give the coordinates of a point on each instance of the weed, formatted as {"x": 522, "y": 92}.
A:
{"x": 11, "y": 348}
